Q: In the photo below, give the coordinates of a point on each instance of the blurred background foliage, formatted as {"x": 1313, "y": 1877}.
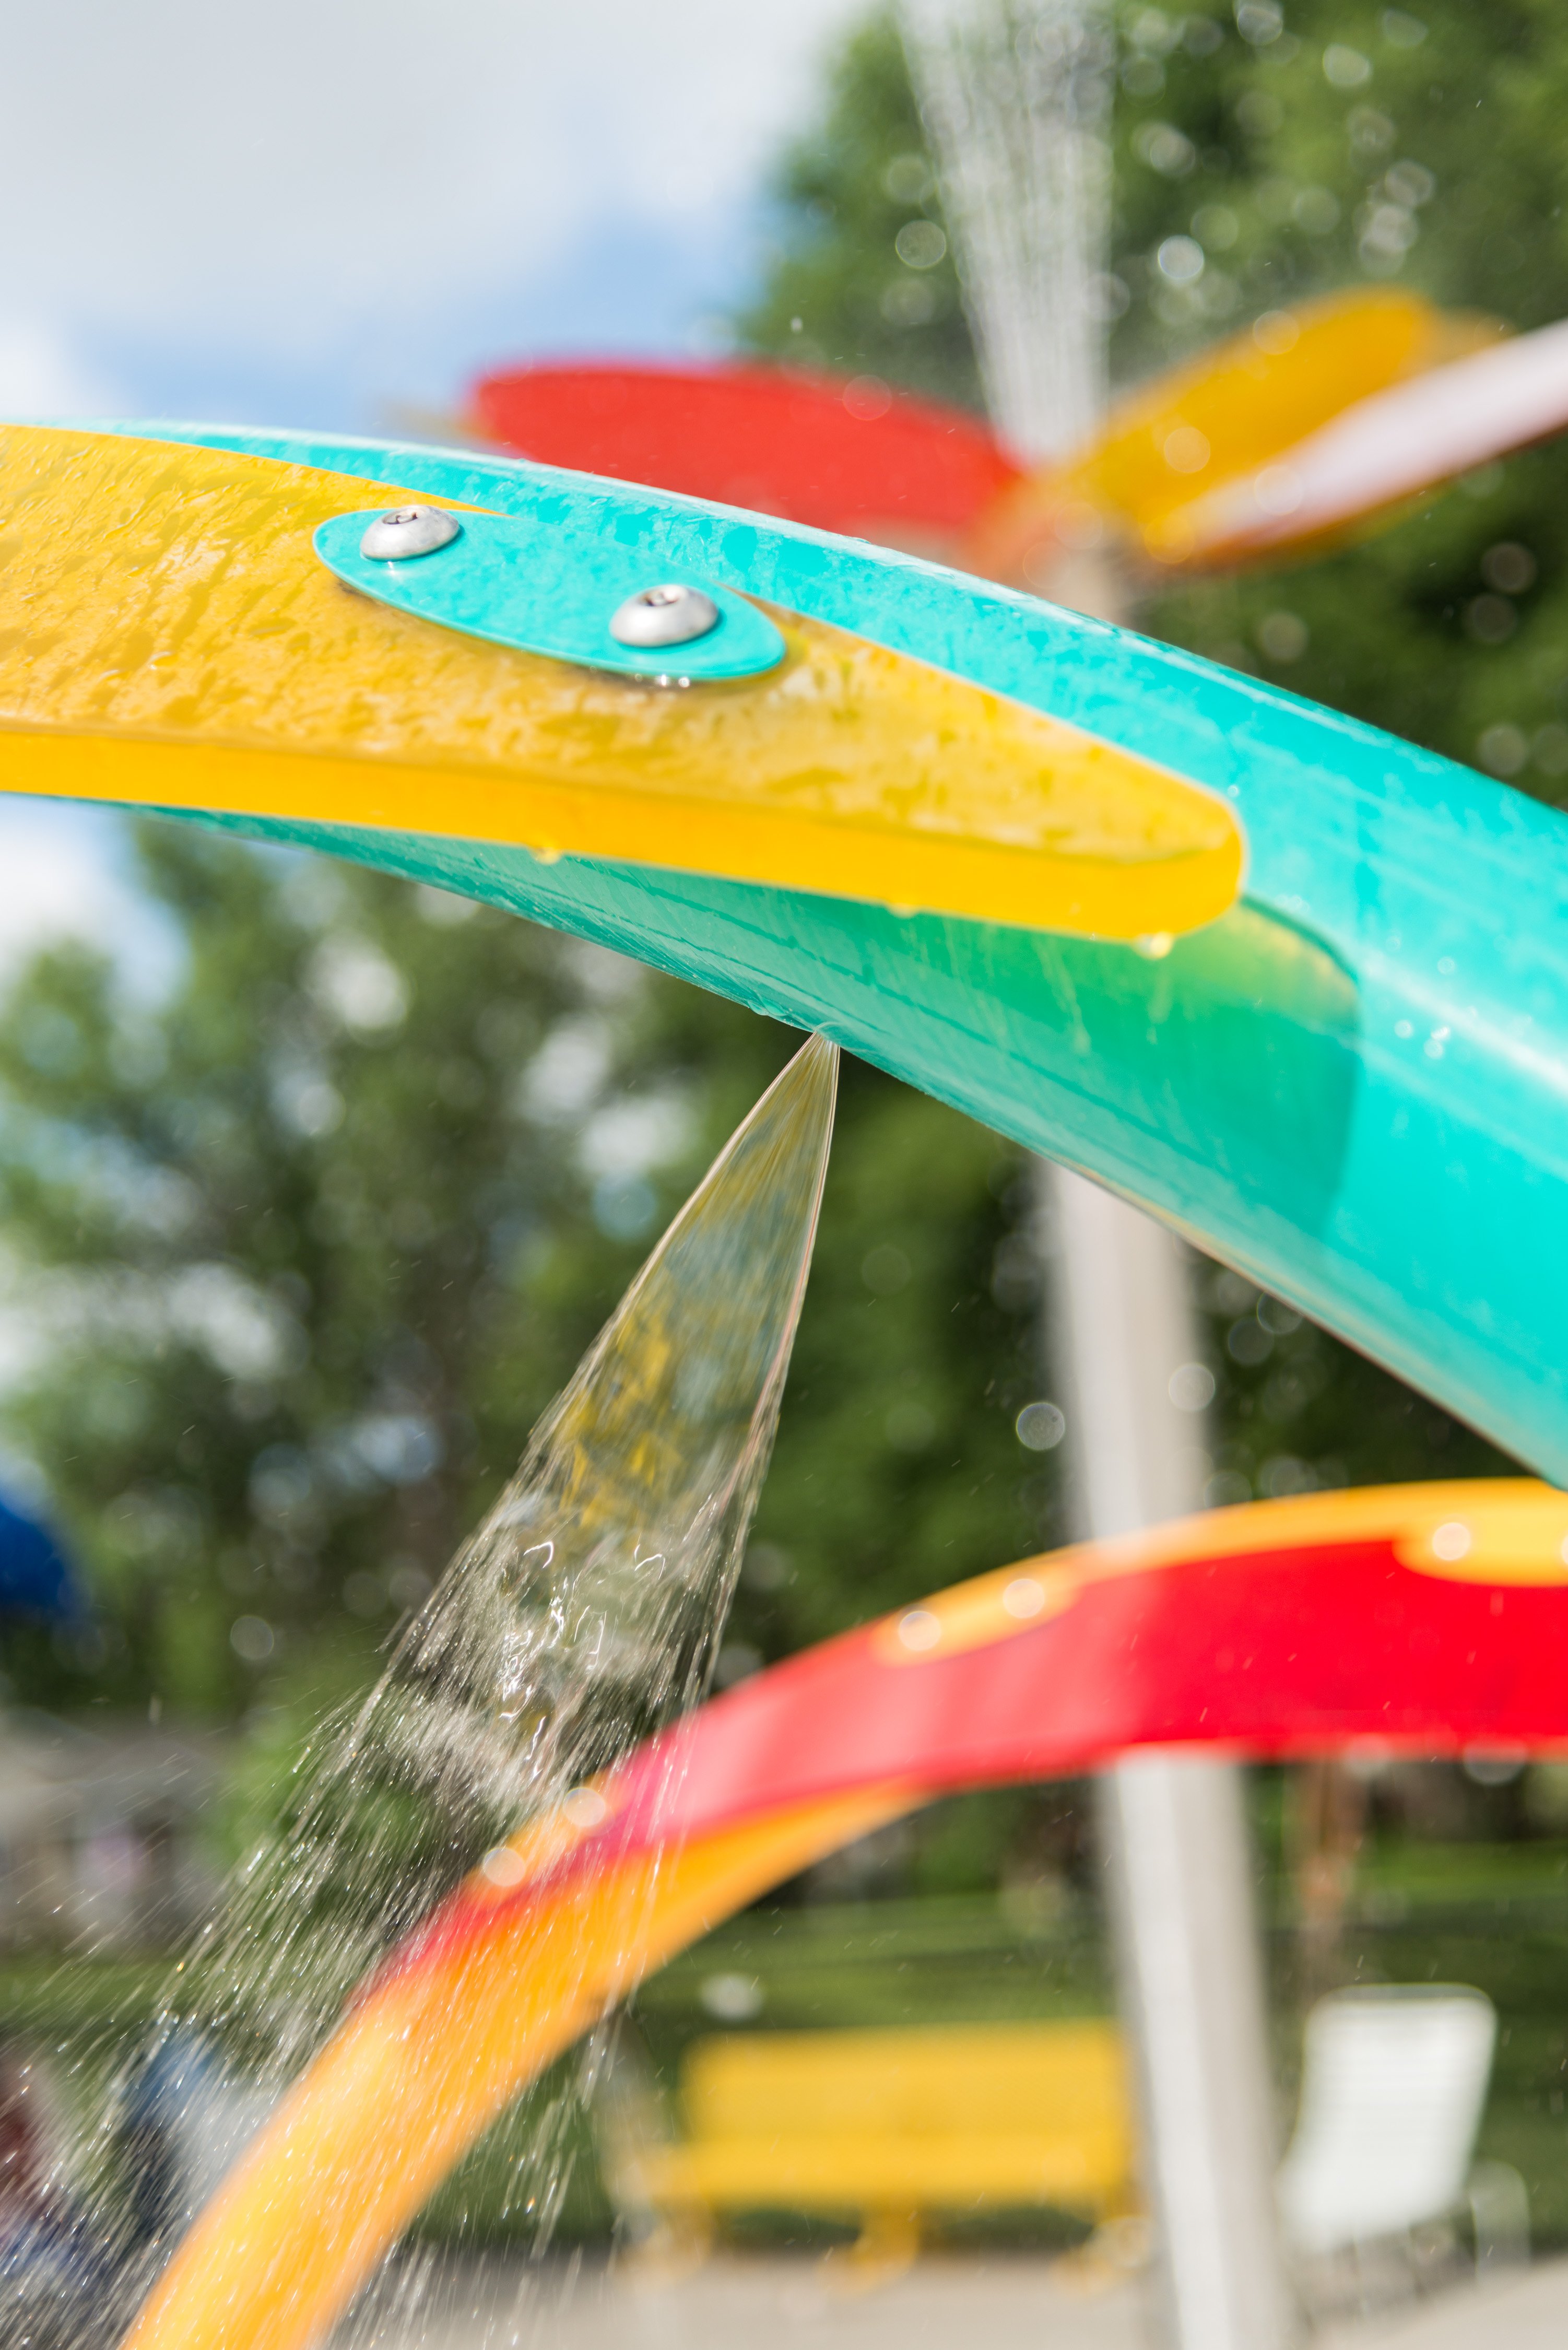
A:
{"x": 301, "y": 1247}
{"x": 1258, "y": 161}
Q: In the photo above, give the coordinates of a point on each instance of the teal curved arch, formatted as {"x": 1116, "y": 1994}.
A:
{"x": 1354, "y": 1086}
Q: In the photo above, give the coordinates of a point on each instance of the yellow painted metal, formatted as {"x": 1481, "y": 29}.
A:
{"x": 1239, "y": 405}
{"x": 168, "y": 637}
{"x": 1505, "y": 1530}
{"x": 922, "y": 2119}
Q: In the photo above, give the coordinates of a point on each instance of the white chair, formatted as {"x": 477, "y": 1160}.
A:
{"x": 1393, "y": 2087}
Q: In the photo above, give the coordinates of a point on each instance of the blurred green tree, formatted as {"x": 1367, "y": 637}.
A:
{"x": 274, "y": 1234}
{"x": 1291, "y": 153}
{"x": 836, "y": 292}
{"x": 304, "y": 1247}
{"x": 898, "y": 1468}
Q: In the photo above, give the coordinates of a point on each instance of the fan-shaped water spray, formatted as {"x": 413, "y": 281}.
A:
{"x": 580, "y": 1613}
{"x": 584, "y": 1611}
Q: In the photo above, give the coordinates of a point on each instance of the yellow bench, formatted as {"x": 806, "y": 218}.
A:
{"x": 890, "y": 2126}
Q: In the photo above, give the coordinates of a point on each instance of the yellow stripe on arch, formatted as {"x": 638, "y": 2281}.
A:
{"x": 1474, "y": 1529}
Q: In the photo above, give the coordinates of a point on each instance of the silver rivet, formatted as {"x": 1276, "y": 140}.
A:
{"x": 409, "y": 530}
{"x": 664, "y": 616}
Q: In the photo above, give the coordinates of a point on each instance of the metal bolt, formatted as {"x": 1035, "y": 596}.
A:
{"x": 405, "y": 531}
{"x": 669, "y": 614}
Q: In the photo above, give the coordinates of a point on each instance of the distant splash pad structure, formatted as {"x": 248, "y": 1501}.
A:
{"x": 1260, "y": 967}
{"x": 1277, "y": 442}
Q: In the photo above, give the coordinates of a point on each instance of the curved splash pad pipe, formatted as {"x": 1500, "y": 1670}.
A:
{"x": 1350, "y": 1080}
{"x": 1230, "y": 1629}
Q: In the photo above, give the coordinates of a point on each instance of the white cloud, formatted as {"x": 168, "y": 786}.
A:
{"x": 263, "y": 179}
{"x": 62, "y": 874}
{"x": 631, "y": 1135}
{"x": 40, "y": 374}
{"x": 567, "y": 1074}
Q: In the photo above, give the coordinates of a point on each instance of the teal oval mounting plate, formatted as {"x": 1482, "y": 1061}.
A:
{"x": 510, "y": 581}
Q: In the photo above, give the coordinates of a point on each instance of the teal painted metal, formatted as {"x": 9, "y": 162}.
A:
{"x": 1353, "y": 1087}
{"x": 551, "y": 589}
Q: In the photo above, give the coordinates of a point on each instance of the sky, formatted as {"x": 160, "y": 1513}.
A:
{"x": 333, "y": 212}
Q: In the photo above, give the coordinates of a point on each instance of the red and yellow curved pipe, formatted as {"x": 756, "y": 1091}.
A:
{"x": 1427, "y": 1617}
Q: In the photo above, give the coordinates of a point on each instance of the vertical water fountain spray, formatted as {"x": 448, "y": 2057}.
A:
{"x": 583, "y": 1612}
{"x": 1016, "y": 96}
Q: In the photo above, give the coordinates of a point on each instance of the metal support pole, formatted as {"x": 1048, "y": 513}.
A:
{"x": 1173, "y": 1828}
{"x": 1176, "y": 1842}
{"x": 1016, "y": 97}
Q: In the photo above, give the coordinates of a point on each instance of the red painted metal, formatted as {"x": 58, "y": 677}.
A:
{"x": 843, "y": 454}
